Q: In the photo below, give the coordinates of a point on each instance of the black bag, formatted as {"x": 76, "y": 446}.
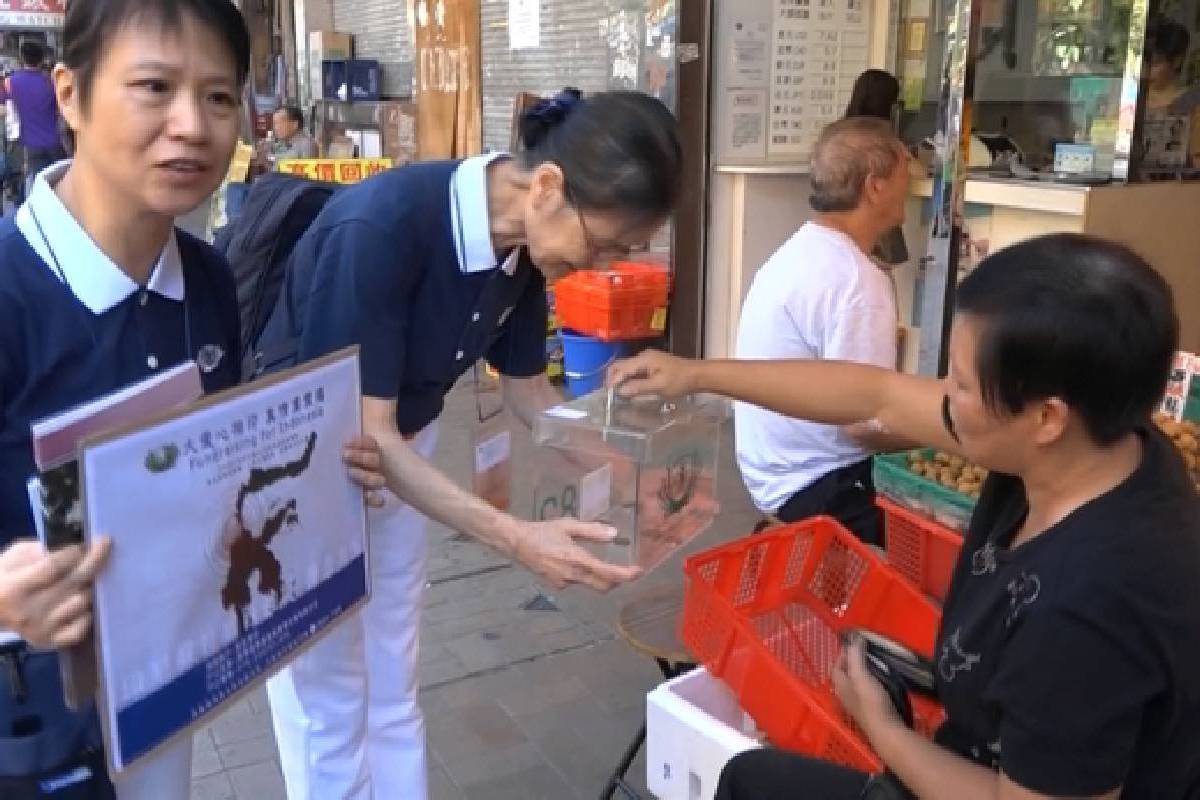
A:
{"x": 81, "y": 778}
{"x": 47, "y": 752}
{"x": 259, "y": 244}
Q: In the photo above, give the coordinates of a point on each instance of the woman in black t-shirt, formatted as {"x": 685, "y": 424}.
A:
{"x": 1069, "y": 655}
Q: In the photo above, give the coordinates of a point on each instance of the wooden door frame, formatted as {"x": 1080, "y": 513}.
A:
{"x": 693, "y": 71}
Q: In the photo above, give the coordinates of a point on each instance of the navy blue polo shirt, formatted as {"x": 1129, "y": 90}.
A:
{"x": 66, "y": 342}
{"x": 388, "y": 265}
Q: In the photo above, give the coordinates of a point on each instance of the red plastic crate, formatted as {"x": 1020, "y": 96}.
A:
{"x": 765, "y": 614}
{"x": 626, "y": 301}
{"x": 919, "y": 548}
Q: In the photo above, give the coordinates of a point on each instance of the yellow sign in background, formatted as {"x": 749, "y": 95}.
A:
{"x": 335, "y": 170}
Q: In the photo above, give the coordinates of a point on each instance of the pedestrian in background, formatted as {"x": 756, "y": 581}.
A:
{"x": 875, "y": 94}
{"x": 32, "y": 93}
{"x": 290, "y": 139}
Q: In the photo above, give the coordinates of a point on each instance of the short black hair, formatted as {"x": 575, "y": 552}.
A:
{"x": 619, "y": 151}
{"x": 32, "y": 53}
{"x": 91, "y": 25}
{"x": 294, "y": 114}
{"x": 1078, "y": 318}
{"x": 1167, "y": 39}
{"x": 874, "y": 95}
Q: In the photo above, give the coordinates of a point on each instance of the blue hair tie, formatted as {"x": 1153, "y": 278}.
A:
{"x": 555, "y": 110}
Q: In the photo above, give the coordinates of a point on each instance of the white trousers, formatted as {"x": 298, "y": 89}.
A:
{"x": 346, "y": 713}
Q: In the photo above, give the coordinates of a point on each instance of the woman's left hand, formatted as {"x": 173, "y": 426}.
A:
{"x": 365, "y": 461}
{"x": 861, "y": 693}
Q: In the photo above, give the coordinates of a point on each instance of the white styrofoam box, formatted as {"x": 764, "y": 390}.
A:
{"x": 694, "y": 725}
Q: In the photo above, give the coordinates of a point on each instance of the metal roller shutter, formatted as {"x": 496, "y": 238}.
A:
{"x": 381, "y": 32}
{"x": 577, "y": 37}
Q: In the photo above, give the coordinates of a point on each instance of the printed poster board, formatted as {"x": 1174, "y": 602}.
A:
{"x": 238, "y": 540}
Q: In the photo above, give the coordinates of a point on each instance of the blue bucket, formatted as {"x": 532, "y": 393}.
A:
{"x": 586, "y": 360}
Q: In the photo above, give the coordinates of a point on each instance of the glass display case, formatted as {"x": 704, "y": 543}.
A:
{"x": 1051, "y": 85}
{"x": 645, "y": 467}
{"x": 1055, "y": 85}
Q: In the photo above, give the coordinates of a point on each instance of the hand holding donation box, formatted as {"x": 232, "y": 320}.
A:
{"x": 238, "y": 540}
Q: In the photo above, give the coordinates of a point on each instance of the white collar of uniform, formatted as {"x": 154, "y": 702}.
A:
{"x": 469, "y": 218}
{"x": 93, "y": 277}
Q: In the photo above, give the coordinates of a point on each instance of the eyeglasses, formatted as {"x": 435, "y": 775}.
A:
{"x": 597, "y": 254}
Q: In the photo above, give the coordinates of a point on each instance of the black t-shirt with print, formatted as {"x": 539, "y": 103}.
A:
{"x": 1072, "y": 662}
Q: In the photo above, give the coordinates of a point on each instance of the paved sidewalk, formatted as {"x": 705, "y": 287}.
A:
{"x": 527, "y": 694}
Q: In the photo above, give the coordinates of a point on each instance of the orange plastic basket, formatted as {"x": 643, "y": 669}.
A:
{"x": 920, "y": 549}
{"x": 765, "y": 614}
{"x": 626, "y": 301}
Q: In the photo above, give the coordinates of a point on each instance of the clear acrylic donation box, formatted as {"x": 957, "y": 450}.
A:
{"x": 646, "y": 467}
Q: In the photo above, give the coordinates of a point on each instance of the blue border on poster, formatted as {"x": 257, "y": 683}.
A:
{"x": 150, "y": 721}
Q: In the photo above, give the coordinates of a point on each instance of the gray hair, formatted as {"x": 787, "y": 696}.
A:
{"x": 848, "y": 152}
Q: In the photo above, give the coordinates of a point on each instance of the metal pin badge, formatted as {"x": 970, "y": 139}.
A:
{"x": 209, "y": 358}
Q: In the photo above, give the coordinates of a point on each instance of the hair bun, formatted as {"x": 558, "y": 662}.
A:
{"x": 546, "y": 115}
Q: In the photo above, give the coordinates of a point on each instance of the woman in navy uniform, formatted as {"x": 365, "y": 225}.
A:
{"x": 1068, "y": 659}
{"x": 429, "y": 268}
{"x": 99, "y": 291}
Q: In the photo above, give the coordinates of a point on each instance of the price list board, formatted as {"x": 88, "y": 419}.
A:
{"x": 818, "y": 49}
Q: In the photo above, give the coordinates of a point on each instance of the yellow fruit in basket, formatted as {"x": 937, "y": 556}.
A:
{"x": 941, "y": 458}
{"x": 915, "y": 457}
{"x": 964, "y": 487}
{"x": 957, "y": 462}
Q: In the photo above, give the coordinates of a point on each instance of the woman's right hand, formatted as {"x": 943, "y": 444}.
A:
{"x": 654, "y": 372}
{"x": 46, "y": 597}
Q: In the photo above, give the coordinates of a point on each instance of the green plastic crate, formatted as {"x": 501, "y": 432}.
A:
{"x": 894, "y": 480}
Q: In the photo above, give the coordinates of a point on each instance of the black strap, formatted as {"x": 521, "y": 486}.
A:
{"x": 271, "y": 357}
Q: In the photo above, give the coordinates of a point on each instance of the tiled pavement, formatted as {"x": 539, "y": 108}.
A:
{"x": 520, "y": 704}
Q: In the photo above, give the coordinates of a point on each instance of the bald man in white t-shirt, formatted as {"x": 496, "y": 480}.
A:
{"x": 822, "y": 296}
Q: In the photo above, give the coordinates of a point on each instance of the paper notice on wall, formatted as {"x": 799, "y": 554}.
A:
{"x": 747, "y": 129}
{"x": 524, "y": 24}
{"x": 750, "y": 53}
{"x": 818, "y": 51}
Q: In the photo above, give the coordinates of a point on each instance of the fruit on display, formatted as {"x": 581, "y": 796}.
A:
{"x": 1186, "y": 436}
{"x": 956, "y": 473}
{"x": 951, "y": 471}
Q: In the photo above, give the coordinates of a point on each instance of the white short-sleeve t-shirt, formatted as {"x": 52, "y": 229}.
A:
{"x": 818, "y": 297}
